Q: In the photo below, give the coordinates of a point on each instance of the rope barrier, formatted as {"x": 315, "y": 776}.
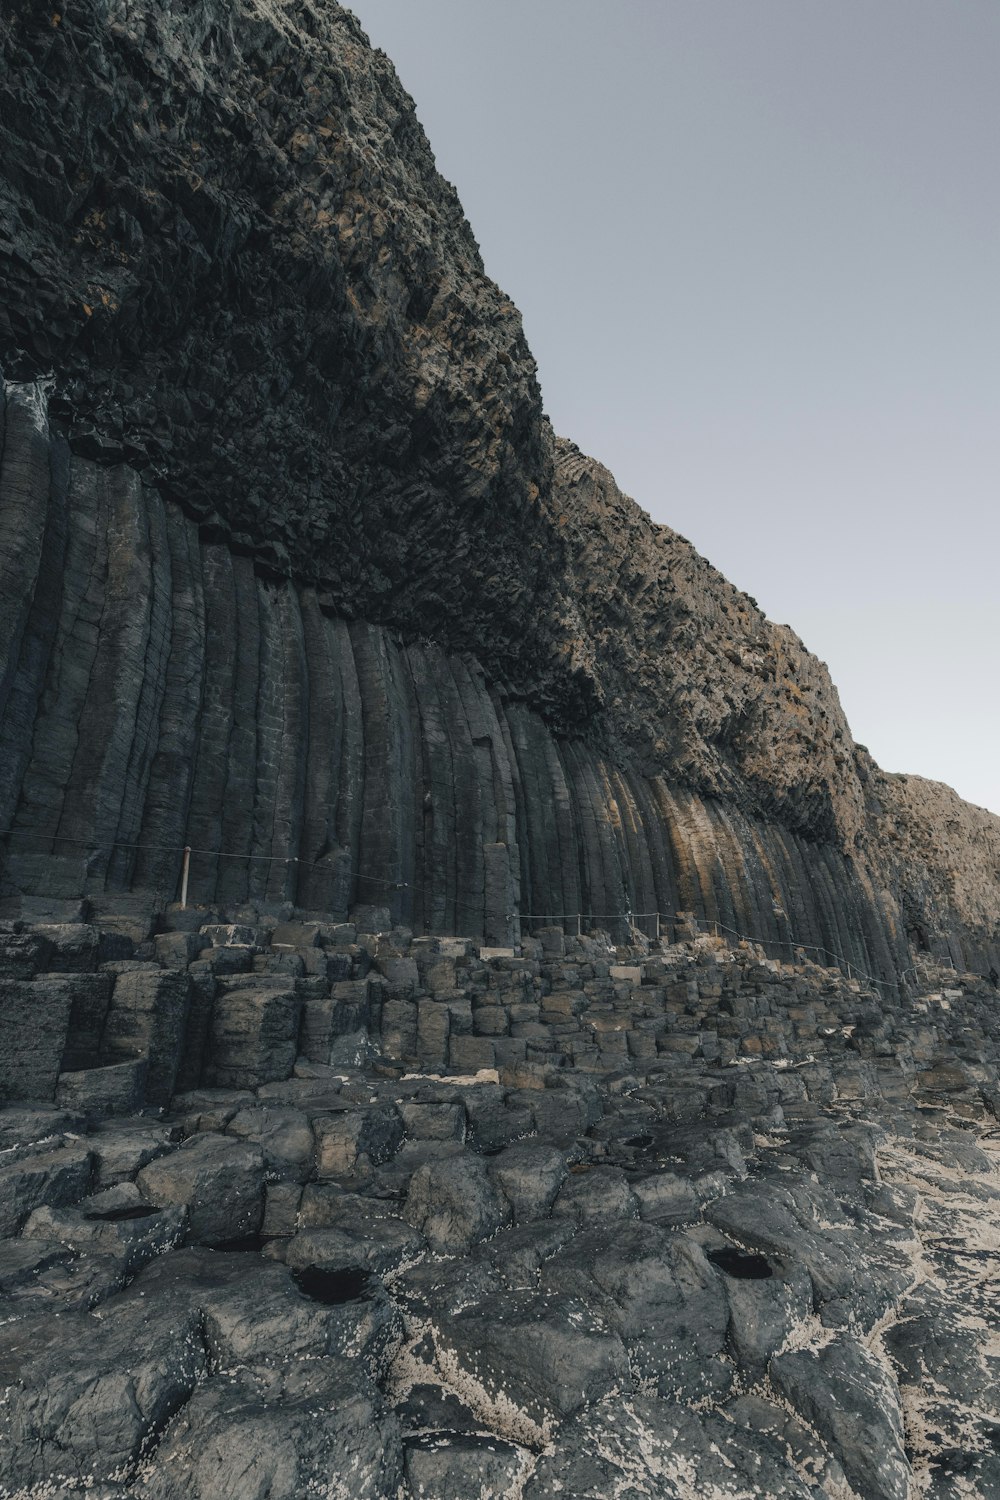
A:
{"x": 717, "y": 927}
{"x": 628, "y": 917}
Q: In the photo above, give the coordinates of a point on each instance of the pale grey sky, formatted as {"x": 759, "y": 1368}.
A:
{"x": 756, "y": 246}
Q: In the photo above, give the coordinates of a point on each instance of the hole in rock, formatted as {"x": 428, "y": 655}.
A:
{"x": 244, "y": 1243}
{"x": 120, "y": 1215}
{"x": 640, "y": 1142}
{"x": 741, "y": 1264}
{"x": 332, "y": 1287}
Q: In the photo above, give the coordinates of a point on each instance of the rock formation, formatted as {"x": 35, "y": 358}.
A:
{"x": 293, "y": 567}
{"x": 574, "y": 1068}
{"x": 425, "y": 1219}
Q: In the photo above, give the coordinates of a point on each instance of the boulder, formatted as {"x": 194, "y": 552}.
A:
{"x": 454, "y": 1204}
{"x": 279, "y": 1432}
{"x": 62, "y": 1174}
{"x": 219, "y": 1180}
{"x": 530, "y": 1175}
{"x": 254, "y": 1035}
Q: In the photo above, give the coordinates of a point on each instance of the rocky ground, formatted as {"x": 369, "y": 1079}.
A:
{"x": 292, "y": 1208}
{"x": 269, "y": 422}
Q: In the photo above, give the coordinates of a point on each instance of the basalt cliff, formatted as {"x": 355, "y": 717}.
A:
{"x": 293, "y": 566}
{"x": 572, "y": 1066}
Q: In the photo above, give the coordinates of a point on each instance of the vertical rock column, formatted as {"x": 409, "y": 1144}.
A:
{"x": 168, "y": 796}
{"x": 34, "y": 477}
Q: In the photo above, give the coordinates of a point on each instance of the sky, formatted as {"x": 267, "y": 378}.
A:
{"x": 756, "y": 245}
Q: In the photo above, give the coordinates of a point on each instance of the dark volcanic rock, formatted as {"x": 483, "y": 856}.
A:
{"x": 853, "y": 1401}
{"x": 31, "y": 1050}
{"x": 83, "y": 1393}
{"x": 279, "y": 1431}
{"x": 298, "y": 575}
{"x": 454, "y": 1204}
{"x": 295, "y": 578}
{"x": 220, "y": 1181}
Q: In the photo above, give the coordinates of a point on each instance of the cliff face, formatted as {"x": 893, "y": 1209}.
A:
{"x": 295, "y": 572}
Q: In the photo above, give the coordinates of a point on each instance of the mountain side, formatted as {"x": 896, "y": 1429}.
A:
{"x": 297, "y": 573}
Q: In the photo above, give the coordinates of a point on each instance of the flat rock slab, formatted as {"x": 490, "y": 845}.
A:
{"x": 280, "y": 1433}
{"x": 221, "y": 1182}
{"x": 851, "y": 1399}
{"x": 82, "y": 1392}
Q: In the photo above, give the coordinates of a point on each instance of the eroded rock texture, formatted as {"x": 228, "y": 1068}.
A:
{"x": 294, "y": 571}
{"x": 664, "y": 1220}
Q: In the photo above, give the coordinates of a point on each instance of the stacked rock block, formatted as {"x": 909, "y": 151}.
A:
{"x": 461, "y": 1222}
{"x": 107, "y": 1018}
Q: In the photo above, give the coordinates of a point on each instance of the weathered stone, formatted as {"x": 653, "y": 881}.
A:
{"x": 146, "y": 1019}
{"x": 84, "y": 1393}
{"x": 454, "y": 1204}
{"x": 116, "y": 1222}
{"x": 220, "y": 1181}
{"x": 117, "y": 1089}
{"x": 254, "y": 1036}
{"x": 62, "y": 1174}
{"x": 427, "y": 1121}
{"x": 34, "y": 1021}
{"x": 122, "y": 1149}
{"x": 530, "y": 1361}
{"x": 282, "y": 1432}
{"x": 356, "y": 1140}
{"x": 529, "y": 1175}
{"x": 379, "y": 1245}
{"x": 850, "y": 1397}
{"x": 602, "y": 1193}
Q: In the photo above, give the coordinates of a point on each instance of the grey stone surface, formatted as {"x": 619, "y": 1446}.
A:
{"x": 454, "y": 1204}
{"x": 530, "y": 1175}
{"x": 220, "y": 1181}
{"x": 146, "y": 1019}
{"x": 851, "y": 1398}
{"x": 279, "y": 1433}
{"x": 254, "y": 1036}
{"x": 84, "y": 1392}
{"x": 116, "y": 1089}
{"x": 58, "y": 1175}
{"x": 34, "y": 1022}
{"x": 355, "y": 1140}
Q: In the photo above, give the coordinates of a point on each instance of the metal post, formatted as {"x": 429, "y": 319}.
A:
{"x": 185, "y": 871}
{"x": 657, "y": 926}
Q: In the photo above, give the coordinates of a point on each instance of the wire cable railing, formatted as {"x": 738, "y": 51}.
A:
{"x": 515, "y": 920}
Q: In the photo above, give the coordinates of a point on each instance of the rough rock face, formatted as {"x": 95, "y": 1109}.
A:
{"x": 671, "y": 1219}
{"x": 295, "y": 572}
